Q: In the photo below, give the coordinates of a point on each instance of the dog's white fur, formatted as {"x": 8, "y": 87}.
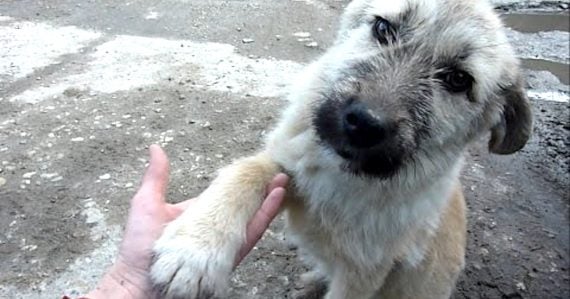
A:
{"x": 402, "y": 237}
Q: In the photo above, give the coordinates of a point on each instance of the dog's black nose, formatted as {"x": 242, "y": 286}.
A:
{"x": 363, "y": 128}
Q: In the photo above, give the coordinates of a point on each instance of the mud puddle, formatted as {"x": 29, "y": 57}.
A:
{"x": 541, "y": 22}
{"x": 560, "y": 70}
{"x": 537, "y": 22}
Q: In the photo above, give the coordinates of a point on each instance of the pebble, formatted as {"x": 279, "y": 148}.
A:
{"x": 105, "y": 176}
{"x": 302, "y": 34}
{"x": 278, "y": 37}
{"x": 2, "y": 181}
{"x": 28, "y": 175}
{"x": 312, "y": 45}
{"x": 247, "y": 40}
{"x": 77, "y": 139}
{"x": 48, "y": 175}
{"x": 284, "y": 280}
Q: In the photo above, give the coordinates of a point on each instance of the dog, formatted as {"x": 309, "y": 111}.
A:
{"x": 373, "y": 138}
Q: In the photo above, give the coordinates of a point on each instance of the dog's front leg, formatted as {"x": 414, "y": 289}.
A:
{"x": 196, "y": 253}
{"x": 349, "y": 283}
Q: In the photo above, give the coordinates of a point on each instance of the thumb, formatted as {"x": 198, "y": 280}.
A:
{"x": 155, "y": 178}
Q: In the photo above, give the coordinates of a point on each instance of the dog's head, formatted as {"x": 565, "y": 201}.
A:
{"x": 407, "y": 78}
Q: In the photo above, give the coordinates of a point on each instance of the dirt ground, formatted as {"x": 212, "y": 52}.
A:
{"x": 86, "y": 86}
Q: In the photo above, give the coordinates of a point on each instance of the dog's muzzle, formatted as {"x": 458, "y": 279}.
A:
{"x": 367, "y": 140}
{"x": 364, "y": 128}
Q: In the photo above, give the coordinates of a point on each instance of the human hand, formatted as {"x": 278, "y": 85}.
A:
{"x": 149, "y": 214}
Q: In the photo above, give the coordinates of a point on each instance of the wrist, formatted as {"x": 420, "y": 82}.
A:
{"x": 110, "y": 286}
{"x": 120, "y": 282}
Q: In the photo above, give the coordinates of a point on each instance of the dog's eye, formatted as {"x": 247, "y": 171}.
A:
{"x": 458, "y": 81}
{"x": 383, "y": 31}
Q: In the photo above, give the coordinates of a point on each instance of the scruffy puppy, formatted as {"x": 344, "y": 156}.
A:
{"x": 373, "y": 138}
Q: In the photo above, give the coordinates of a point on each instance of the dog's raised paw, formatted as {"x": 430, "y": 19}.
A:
{"x": 188, "y": 267}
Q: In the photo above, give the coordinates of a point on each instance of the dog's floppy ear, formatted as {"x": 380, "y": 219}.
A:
{"x": 515, "y": 125}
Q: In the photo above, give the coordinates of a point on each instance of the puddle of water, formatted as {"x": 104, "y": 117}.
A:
{"x": 537, "y": 22}
{"x": 560, "y": 70}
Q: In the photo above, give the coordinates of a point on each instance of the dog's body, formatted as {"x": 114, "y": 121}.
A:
{"x": 373, "y": 139}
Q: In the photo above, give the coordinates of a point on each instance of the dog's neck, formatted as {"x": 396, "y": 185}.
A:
{"x": 427, "y": 169}
{"x": 432, "y": 177}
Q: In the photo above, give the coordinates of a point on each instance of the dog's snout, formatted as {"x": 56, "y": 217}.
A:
{"x": 364, "y": 128}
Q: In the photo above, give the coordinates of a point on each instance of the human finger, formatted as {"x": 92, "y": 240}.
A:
{"x": 261, "y": 220}
{"x": 155, "y": 178}
{"x": 280, "y": 180}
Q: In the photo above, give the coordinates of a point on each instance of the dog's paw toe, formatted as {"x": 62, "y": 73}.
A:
{"x": 181, "y": 273}
{"x": 180, "y": 269}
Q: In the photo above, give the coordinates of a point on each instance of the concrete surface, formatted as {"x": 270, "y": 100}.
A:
{"x": 86, "y": 86}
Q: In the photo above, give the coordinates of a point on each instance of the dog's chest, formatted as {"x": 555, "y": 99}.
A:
{"x": 362, "y": 221}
